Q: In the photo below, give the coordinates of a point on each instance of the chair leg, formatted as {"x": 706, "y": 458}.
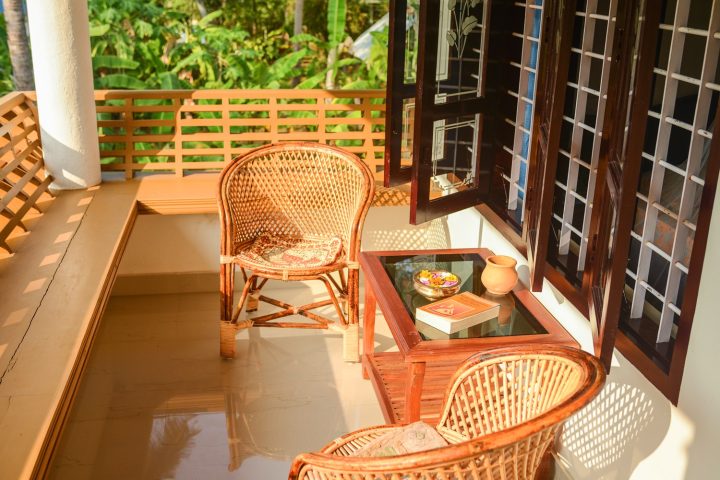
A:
{"x": 334, "y": 299}
{"x": 227, "y": 339}
{"x": 227, "y": 328}
{"x": 351, "y": 343}
{"x": 229, "y": 318}
{"x": 227, "y": 289}
{"x": 253, "y": 299}
{"x": 341, "y": 287}
{"x": 343, "y": 299}
{"x": 351, "y": 339}
{"x": 243, "y": 297}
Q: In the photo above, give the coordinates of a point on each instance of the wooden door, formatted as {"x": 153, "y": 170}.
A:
{"x": 453, "y": 108}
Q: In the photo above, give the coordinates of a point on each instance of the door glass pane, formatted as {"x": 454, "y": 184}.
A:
{"x": 461, "y": 50}
{"x": 412, "y": 25}
{"x": 454, "y": 152}
{"x": 408, "y": 127}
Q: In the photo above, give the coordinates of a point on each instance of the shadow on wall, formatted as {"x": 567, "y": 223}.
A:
{"x": 387, "y": 228}
{"x": 609, "y": 437}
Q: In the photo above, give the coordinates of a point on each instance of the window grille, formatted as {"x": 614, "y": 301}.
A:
{"x": 516, "y": 181}
{"x": 585, "y": 97}
{"x": 680, "y": 120}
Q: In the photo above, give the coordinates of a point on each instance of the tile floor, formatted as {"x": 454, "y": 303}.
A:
{"x": 157, "y": 402}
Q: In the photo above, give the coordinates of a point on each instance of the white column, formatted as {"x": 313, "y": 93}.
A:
{"x": 60, "y": 41}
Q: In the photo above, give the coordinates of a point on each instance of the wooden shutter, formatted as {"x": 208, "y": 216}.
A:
{"x": 661, "y": 191}
{"x": 619, "y": 168}
{"x": 555, "y": 44}
{"x": 400, "y": 90}
{"x": 453, "y": 108}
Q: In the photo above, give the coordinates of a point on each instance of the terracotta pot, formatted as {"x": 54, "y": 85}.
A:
{"x": 499, "y": 275}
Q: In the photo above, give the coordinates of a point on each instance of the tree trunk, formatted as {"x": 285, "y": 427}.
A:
{"x": 330, "y": 75}
{"x": 201, "y": 8}
{"x": 298, "y": 21}
{"x": 18, "y": 45}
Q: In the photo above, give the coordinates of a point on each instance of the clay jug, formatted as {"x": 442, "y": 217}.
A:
{"x": 499, "y": 275}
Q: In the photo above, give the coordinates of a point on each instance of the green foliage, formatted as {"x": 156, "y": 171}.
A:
{"x": 6, "y": 82}
{"x": 165, "y": 44}
{"x": 377, "y": 63}
{"x": 360, "y": 15}
{"x": 336, "y": 14}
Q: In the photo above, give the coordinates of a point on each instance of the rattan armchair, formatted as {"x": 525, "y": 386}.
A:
{"x": 502, "y": 411}
{"x": 292, "y": 211}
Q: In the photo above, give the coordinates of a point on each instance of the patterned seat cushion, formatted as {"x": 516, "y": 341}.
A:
{"x": 282, "y": 252}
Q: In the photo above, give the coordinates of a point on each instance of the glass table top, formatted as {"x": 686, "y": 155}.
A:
{"x": 513, "y": 320}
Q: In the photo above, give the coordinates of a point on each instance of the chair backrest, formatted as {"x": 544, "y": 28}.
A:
{"x": 507, "y": 387}
{"x": 297, "y": 189}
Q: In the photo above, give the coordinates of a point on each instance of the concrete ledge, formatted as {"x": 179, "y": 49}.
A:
{"x": 54, "y": 292}
{"x": 166, "y": 283}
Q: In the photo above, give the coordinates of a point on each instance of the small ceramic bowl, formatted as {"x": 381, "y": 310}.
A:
{"x": 436, "y": 284}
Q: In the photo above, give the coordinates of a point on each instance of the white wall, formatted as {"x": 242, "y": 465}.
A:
{"x": 700, "y": 390}
{"x": 630, "y": 431}
{"x": 172, "y": 244}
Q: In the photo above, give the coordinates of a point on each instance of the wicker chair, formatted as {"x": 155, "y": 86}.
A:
{"x": 503, "y": 409}
{"x": 292, "y": 211}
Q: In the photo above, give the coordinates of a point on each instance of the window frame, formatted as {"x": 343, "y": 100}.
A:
{"x": 396, "y": 91}
{"x": 615, "y": 189}
{"x": 423, "y": 208}
{"x": 668, "y": 382}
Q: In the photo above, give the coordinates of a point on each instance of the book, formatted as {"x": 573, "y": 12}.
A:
{"x": 429, "y": 332}
{"x": 416, "y": 437}
{"x": 458, "y": 312}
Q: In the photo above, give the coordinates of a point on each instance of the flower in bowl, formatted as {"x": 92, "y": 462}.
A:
{"x": 435, "y": 284}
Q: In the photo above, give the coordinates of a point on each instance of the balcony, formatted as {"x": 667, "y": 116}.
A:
{"x": 108, "y": 338}
{"x": 161, "y": 152}
{"x": 75, "y": 276}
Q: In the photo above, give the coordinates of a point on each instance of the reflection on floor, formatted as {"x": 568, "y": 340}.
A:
{"x": 157, "y": 402}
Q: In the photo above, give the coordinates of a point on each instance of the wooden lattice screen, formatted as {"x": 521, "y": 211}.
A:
{"x": 22, "y": 177}
{"x": 200, "y": 130}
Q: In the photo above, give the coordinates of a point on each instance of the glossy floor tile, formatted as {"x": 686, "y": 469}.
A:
{"x": 157, "y": 402}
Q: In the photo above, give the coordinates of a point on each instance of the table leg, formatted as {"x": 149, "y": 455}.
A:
{"x": 368, "y": 326}
{"x": 413, "y": 391}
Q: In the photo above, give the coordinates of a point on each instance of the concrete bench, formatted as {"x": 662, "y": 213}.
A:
{"x": 54, "y": 290}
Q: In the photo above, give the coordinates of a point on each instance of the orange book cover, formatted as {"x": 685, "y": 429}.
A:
{"x": 458, "y": 312}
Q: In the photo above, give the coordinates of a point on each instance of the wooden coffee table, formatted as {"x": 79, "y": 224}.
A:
{"x": 411, "y": 383}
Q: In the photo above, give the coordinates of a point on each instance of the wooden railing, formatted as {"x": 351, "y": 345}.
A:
{"x": 22, "y": 177}
{"x": 200, "y": 130}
